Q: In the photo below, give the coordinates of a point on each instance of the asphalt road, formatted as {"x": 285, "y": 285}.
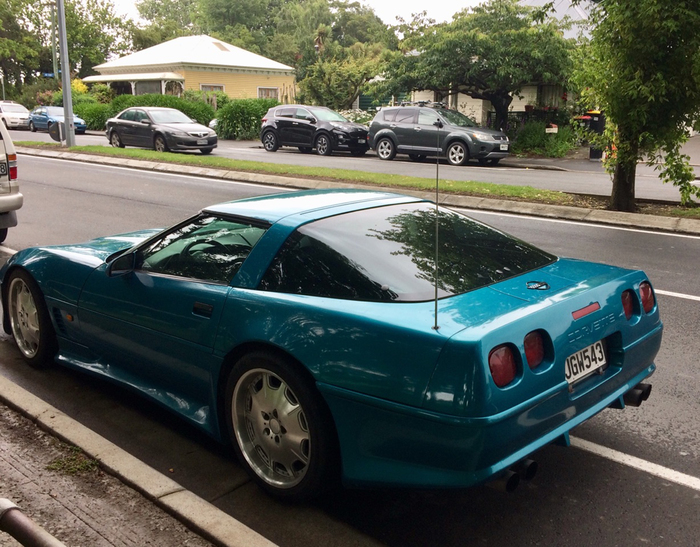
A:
{"x": 586, "y": 178}
{"x": 577, "y": 498}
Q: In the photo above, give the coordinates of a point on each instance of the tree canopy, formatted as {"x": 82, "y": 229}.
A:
{"x": 642, "y": 67}
{"x": 488, "y": 53}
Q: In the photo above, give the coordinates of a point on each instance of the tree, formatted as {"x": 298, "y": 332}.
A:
{"x": 642, "y": 67}
{"x": 489, "y": 53}
{"x": 19, "y": 46}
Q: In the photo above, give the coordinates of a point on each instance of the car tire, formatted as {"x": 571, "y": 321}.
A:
{"x": 206, "y": 151}
{"x": 270, "y": 142}
{"x": 115, "y": 140}
{"x": 3, "y": 235}
{"x": 457, "y": 153}
{"x": 159, "y": 144}
{"x": 305, "y": 149}
{"x": 32, "y": 127}
{"x": 281, "y": 428}
{"x": 324, "y": 146}
{"x": 386, "y": 149}
{"x": 494, "y": 162}
{"x": 416, "y": 157}
{"x": 29, "y": 320}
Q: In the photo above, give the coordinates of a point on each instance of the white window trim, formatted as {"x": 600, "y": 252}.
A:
{"x": 276, "y": 88}
{"x": 222, "y": 86}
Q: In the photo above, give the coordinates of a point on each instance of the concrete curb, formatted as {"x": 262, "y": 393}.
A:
{"x": 194, "y": 512}
{"x": 612, "y": 218}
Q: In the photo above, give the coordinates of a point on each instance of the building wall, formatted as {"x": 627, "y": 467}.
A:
{"x": 242, "y": 85}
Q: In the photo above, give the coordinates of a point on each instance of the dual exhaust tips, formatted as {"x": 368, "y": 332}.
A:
{"x": 524, "y": 470}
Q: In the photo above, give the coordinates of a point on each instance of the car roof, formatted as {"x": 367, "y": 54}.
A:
{"x": 297, "y": 208}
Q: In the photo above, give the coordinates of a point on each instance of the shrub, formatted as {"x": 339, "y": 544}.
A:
{"x": 358, "y": 116}
{"x": 95, "y": 114}
{"x": 215, "y": 99}
{"x": 103, "y": 93}
{"x": 532, "y": 138}
{"x": 197, "y": 110}
{"x": 241, "y": 118}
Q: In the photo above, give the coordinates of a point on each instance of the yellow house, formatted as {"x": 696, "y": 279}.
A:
{"x": 198, "y": 63}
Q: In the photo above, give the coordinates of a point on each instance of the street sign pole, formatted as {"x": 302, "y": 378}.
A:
{"x": 65, "y": 76}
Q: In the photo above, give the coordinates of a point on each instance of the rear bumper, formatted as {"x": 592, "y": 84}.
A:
{"x": 385, "y": 443}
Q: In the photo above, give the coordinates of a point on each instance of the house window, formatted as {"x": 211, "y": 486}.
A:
{"x": 211, "y": 87}
{"x": 268, "y": 93}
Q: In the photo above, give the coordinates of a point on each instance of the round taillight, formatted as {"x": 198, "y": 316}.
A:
{"x": 502, "y": 365}
{"x": 647, "y": 296}
{"x": 628, "y": 303}
{"x": 534, "y": 349}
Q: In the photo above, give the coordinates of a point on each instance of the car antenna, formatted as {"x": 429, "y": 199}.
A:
{"x": 438, "y": 124}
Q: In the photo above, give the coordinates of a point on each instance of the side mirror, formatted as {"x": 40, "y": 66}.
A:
{"x": 313, "y": 120}
{"x": 122, "y": 265}
{"x": 146, "y": 122}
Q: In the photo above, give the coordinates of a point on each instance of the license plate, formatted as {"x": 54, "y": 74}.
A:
{"x": 202, "y": 141}
{"x": 583, "y": 362}
{"x": 504, "y": 147}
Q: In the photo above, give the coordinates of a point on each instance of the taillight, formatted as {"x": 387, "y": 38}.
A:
{"x": 647, "y": 296}
{"x": 263, "y": 121}
{"x": 12, "y": 161}
{"x": 628, "y": 303}
{"x": 502, "y": 365}
{"x": 534, "y": 349}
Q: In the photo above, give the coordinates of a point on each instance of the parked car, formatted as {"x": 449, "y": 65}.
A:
{"x": 315, "y": 333}
{"x": 162, "y": 129}
{"x": 43, "y": 117}
{"x": 10, "y": 197}
{"x": 309, "y": 127}
{"x": 424, "y": 130}
{"x": 14, "y": 115}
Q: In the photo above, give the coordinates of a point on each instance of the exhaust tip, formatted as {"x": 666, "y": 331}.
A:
{"x": 527, "y": 469}
{"x": 507, "y": 482}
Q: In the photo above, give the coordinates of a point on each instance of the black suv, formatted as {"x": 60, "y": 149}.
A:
{"x": 308, "y": 127}
{"x": 421, "y": 130}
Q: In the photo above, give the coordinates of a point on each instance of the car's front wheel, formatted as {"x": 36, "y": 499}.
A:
{"x": 457, "y": 153}
{"x": 270, "y": 143}
{"x": 324, "y": 147}
{"x": 159, "y": 144}
{"x": 32, "y": 127}
{"x": 280, "y": 427}
{"x": 115, "y": 141}
{"x": 29, "y": 319}
{"x": 206, "y": 151}
{"x": 386, "y": 149}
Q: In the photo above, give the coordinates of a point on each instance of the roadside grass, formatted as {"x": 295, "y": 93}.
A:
{"x": 75, "y": 462}
{"x": 470, "y": 188}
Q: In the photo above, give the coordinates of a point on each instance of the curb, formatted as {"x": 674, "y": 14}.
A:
{"x": 194, "y": 512}
{"x": 599, "y": 216}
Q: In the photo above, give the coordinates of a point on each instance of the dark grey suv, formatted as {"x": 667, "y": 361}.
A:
{"x": 421, "y": 131}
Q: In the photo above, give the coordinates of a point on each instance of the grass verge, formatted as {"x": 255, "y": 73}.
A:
{"x": 471, "y": 188}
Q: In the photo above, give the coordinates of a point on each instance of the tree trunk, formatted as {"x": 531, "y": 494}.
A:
{"x": 501, "y": 105}
{"x": 622, "y": 198}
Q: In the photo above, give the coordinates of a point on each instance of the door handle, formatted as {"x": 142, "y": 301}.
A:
{"x": 203, "y": 310}
{"x": 416, "y": 128}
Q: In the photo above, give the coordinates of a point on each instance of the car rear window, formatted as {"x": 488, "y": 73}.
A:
{"x": 388, "y": 254}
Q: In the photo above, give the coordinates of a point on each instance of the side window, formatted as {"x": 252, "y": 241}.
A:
{"x": 285, "y": 113}
{"x": 389, "y": 115}
{"x": 303, "y": 114}
{"x": 140, "y": 115}
{"x": 427, "y": 117}
{"x": 305, "y": 265}
{"x": 207, "y": 248}
{"x": 406, "y": 115}
{"x": 128, "y": 115}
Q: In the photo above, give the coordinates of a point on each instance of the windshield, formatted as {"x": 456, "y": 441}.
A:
{"x": 14, "y": 108}
{"x": 169, "y": 116}
{"x": 456, "y": 118}
{"x": 54, "y": 110}
{"x": 327, "y": 115}
{"x": 388, "y": 254}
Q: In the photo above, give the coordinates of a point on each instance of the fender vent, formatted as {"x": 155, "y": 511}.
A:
{"x": 59, "y": 322}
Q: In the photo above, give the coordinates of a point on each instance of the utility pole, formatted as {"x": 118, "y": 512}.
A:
{"x": 54, "y": 55}
{"x": 65, "y": 76}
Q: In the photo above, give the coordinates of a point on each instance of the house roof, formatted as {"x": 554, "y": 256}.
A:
{"x": 136, "y": 76}
{"x": 193, "y": 50}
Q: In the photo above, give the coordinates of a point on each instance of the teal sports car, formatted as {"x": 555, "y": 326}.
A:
{"x": 326, "y": 336}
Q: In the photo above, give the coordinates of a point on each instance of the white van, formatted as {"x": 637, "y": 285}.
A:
{"x": 10, "y": 198}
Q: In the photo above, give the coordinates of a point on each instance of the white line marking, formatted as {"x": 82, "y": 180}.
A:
{"x": 678, "y": 295}
{"x": 7, "y": 250}
{"x": 590, "y": 224}
{"x": 637, "y": 463}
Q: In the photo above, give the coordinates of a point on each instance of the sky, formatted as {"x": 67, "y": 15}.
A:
{"x": 387, "y": 10}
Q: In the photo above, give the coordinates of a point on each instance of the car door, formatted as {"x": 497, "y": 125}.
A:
{"x": 304, "y": 127}
{"x": 124, "y": 126}
{"x": 142, "y": 129}
{"x": 403, "y": 127}
{"x": 426, "y": 136}
{"x": 40, "y": 118}
{"x": 154, "y": 324}
{"x": 284, "y": 122}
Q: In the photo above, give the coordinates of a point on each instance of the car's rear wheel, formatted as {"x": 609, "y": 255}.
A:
{"x": 305, "y": 149}
{"x": 159, "y": 144}
{"x": 324, "y": 147}
{"x": 280, "y": 427}
{"x": 29, "y": 318}
{"x": 386, "y": 149}
{"x": 115, "y": 141}
{"x": 32, "y": 127}
{"x": 206, "y": 151}
{"x": 457, "y": 153}
{"x": 270, "y": 143}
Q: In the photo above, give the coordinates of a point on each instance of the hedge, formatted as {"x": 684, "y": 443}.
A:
{"x": 94, "y": 114}
{"x": 197, "y": 110}
{"x": 241, "y": 118}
